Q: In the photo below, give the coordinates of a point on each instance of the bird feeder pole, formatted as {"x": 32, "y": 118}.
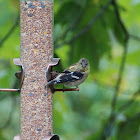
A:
{"x": 36, "y": 59}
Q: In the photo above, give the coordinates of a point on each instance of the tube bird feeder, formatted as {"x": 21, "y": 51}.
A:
{"x": 36, "y": 59}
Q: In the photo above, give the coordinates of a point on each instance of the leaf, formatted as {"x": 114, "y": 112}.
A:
{"x": 111, "y": 22}
{"x": 67, "y": 13}
{"x": 129, "y": 130}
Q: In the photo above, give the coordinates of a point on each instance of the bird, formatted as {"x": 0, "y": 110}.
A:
{"x": 74, "y": 75}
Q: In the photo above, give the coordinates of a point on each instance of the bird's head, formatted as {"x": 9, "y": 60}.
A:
{"x": 84, "y": 63}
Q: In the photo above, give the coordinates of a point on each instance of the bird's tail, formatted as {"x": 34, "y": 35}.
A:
{"x": 50, "y": 82}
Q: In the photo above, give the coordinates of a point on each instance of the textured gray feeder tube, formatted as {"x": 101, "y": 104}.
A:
{"x": 36, "y": 53}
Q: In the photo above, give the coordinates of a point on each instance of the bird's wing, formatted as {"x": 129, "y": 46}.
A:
{"x": 72, "y": 68}
{"x": 67, "y": 76}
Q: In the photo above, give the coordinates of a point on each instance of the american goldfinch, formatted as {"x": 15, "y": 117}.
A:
{"x": 74, "y": 75}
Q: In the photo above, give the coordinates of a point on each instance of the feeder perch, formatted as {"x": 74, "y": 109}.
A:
{"x": 36, "y": 61}
{"x": 51, "y": 74}
{"x": 18, "y": 74}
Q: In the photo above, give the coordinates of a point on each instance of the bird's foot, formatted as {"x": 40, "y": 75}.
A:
{"x": 77, "y": 88}
{"x": 63, "y": 88}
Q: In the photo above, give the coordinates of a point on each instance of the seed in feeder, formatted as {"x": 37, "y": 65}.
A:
{"x": 25, "y": 9}
{"x": 43, "y": 6}
{"x": 46, "y": 94}
{"x": 39, "y": 129}
{"x": 30, "y": 15}
{"x": 36, "y": 102}
{"x": 29, "y": 5}
{"x": 33, "y": 112}
{"x": 35, "y": 50}
{"x": 33, "y": 6}
{"x": 30, "y": 94}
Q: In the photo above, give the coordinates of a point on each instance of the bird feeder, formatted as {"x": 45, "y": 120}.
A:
{"x": 36, "y": 62}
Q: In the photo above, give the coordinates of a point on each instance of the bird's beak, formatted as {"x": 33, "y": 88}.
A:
{"x": 84, "y": 66}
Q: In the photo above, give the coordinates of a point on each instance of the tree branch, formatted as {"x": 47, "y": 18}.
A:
{"x": 75, "y": 23}
{"x": 10, "y": 31}
{"x": 117, "y": 87}
{"x": 134, "y": 117}
{"x": 123, "y": 107}
{"x": 88, "y": 26}
{"x": 110, "y": 123}
{"x": 134, "y": 37}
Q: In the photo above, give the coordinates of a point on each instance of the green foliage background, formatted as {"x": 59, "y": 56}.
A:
{"x": 81, "y": 115}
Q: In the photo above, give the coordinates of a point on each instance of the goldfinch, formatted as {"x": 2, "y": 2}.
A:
{"x": 74, "y": 75}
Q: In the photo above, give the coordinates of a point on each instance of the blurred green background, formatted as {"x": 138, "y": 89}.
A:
{"x": 107, "y": 107}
